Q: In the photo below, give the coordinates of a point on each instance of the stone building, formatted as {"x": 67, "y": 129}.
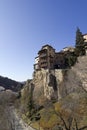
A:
{"x": 36, "y": 65}
{"x": 70, "y": 49}
{"x": 49, "y": 59}
{"x": 85, "y": 37}
{"x": 46, "y": 57}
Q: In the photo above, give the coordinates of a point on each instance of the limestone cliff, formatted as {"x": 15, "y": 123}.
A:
{"x": 68, "y": 85}
{"x": 75, "y": 79}
{"x": 47, "y": 84}
{"x": 55, "y": 84}
{"x": 58, "y": 83}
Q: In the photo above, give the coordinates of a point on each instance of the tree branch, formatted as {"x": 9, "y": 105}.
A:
{"x": 82, "y": 128}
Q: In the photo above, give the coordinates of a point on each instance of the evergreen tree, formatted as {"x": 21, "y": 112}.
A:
{"x": 30, "y": 104}
{"x": 80, "y": 49}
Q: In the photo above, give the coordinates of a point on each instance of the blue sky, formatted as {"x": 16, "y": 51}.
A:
{"x": 26, "y": 25}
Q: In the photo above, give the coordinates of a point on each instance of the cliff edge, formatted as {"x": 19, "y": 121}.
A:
{"x": 58, "y": 83}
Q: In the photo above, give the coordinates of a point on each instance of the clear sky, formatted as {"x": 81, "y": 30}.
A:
{"x": 26, "y": 25}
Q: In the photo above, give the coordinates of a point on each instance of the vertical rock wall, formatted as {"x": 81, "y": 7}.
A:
{"x": 47, "y": 83}
{"x": 59, "y": 79}
{"x": 58, "y": 83}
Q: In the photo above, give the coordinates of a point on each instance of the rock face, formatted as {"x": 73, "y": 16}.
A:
{"x": 47, "y": 83}
{"x": 2, "y": 88}
{"x": 57, "y": 83}
{"x": 75, "y": 79}
{"x": 81, "y": 71}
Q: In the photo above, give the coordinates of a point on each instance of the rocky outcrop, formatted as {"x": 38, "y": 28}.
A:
{"x": 47, "y": 83}
{"x": 17, "y": 122}
{"x": 57, "y": 83}
{"x": 69, "y": 85}
{"x": 81, "y": 71}
{"x": 2, "y": 89}
{"x": 75, "y": 79}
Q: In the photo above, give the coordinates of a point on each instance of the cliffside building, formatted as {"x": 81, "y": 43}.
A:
{"x": 68, "y": 49}
{"x": 85, "y": 37}
{"x": 36, "y": 65}
{"x": 48, "y": 58}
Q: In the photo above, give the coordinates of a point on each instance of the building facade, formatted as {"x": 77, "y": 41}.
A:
{"x": 46, "y": 57}
{"x": 70, "y": 49}
{"x": 85, "y": 37}
{"x": 49, "y": 59}
{"x": 36, "y": 65}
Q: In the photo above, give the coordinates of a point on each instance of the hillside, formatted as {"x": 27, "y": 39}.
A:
{"x": 58, "y": 96}
{"x": 10, "y": 84}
